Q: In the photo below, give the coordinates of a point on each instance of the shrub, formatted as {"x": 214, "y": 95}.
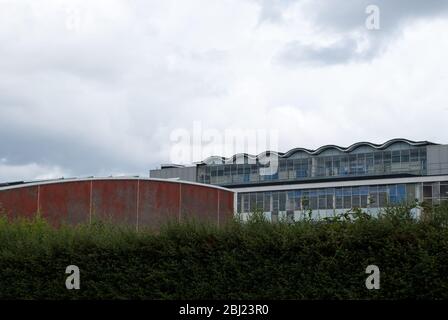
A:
{"x": 307, "y": 259}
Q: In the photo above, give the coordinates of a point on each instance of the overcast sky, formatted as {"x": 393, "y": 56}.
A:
{"x": 98, "y": 87}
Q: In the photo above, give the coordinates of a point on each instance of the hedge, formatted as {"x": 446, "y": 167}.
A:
{"x": 308, "y": 259}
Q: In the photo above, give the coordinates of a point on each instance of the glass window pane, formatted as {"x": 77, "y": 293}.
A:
{"x": 444, "y": 190}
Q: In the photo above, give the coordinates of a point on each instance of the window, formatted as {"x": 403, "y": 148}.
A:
{"x": 253, "y": 202}
{"x": 290, "y": 216}
{"x": 364, "y": 195}
{"x": 382, "y": 196}
{"x": 254, "y": 175}
{"x": 353, "y": 164}
{"x": 245, "y": 198}
{"x": 238, "y": 203}
{"x": 356, "y": 200}
{"x": 260, "y": 197}
{"x": 347, "y": 192}
{"x": 282, "y": 206}
{"x": 336, "y": 166}
{"x": 444, "y": 190}
{"x": 313, "y": 199}
{"x": 405, "y": 155}
{"x": 330, "y": 195}
{"x": 322, "y": 199}
{"x": 369, "y": 162}
{"x": 267, "y": 202}
{"x": 275, "y": 203}
{"x": 344, "y": 169}
{"x": 413, "y": 155}
{"x": 395, "y": 156}
{"x": 339, "y": 198}
{"x": 401, "y": 193}
{"x": 328, "y": 167}
{"x": 410, "y": 192}
{"x": 361, "y": 165}
{"x": 317, "y": 167}
{"x": 422, "y": 153}
{"x": 427, "y": 190}
{"x": 393, "y": 194}
{"x": 378, "y": 156}
{"x": 373, "y": 196}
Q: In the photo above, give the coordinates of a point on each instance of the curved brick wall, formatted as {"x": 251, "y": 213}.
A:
{"x": 134, "y": 201}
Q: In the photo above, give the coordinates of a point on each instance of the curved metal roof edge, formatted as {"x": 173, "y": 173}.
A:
{"x": 67, "y": 180}
{"x": 322, "y": 149}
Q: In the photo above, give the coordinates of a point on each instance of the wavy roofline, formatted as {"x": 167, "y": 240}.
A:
{"x": 319, "y": 150}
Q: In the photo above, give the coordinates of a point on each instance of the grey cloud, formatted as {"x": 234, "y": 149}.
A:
{"x": 336, "y": 53}
{"x": 272, "y": 10}
{"x": 343, "y": 17}
{"x": 346, "y": 15}
{"x": 95, "y": 102}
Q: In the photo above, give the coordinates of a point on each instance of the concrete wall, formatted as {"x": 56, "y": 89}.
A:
{"x": 136, "y": 202}
{"x": 437, "y": 159}
{"x": 183, "y": 173}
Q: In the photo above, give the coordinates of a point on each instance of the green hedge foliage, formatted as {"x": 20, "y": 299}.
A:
{"x": 308, "y": 259}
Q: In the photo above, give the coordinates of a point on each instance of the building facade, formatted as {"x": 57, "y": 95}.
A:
{"x": 328, "y": 180}
{"x": 133, "y": 201}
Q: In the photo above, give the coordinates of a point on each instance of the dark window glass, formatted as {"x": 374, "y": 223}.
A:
{"x": 246, "y": 207}
{"x": 393, "y": 198}
{"x": 282, "y": 201}
{"x": 422, "y": 153}
{"x": 328, "y": 168}
{"x": 329, "y": 201}
{"x": 427, "y": 191}
{"x": 443, "y": 190}
{"x": 313, "y": 202}
{"x": 369, "y": 160}
{"x": 378, "y": 158}
{"x": 373, "y": 196}
{"x": 356, "y": 201}
{"x": 253, "y": 202}
{"x": 238, "y": 203}
{"x": 344, "y": 169}
{"x": 353, "y": 164}
{"x": 336, "y": 166}
{"x": 404, "y": 155}
{"x": 364, "y": 190}
{"x": 413, "y": 155}
{"x": 382, "y": 198}
{"x": 395, "y": 156}
{"x": 364, "y": 201}
{"x": 322, "y": 202}
{"x": 339, "y": 202}
{"x": 347, "y": 191}
{"x": 267, "y": 202}
{"x": 347, "y": 202}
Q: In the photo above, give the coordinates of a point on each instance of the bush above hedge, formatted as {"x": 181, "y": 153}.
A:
{"x": 254, "y": 260}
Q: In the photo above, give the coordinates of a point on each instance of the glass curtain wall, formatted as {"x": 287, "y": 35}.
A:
{"x": 409, "y": 161}
{"x": 339, "y": 198}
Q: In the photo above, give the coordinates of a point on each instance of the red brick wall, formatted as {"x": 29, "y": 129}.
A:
{"x": 142, "y": 202}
